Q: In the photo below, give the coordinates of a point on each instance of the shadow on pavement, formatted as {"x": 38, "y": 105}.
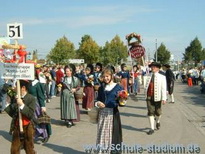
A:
{"x": 83, "y": 112}
{"x": 137, "y": 98}
{"x": 135, "y": 129}
{"x": 57, "y": 122}
{"x": 132, "y": 115}
{"x": 6, "y": 135}
{"x": 198, "y": 98}
{"x": 136, "y": 107}
{"x": 62, "y": 149}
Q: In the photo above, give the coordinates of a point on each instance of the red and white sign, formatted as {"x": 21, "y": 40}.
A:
{"x": 137, "y": 51}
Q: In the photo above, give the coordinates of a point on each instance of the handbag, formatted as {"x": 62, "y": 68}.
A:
{"x": 93, "y": 115}
{"x": 44, "y": 118}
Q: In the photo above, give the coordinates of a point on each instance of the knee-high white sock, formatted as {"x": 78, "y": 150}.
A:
{"x": 151, "y": 121}
{"x": 158, "y": 119}
{"x": 172, "y": 97}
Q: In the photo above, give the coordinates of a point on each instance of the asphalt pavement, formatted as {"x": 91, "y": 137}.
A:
{"x": 182, "y": 127}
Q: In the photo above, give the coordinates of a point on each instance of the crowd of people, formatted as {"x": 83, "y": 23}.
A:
{"x": 96, "y": 86}
{"x": 193, "y": 77}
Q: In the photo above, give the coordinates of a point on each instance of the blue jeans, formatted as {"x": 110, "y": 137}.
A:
{"x": 52, "y": 89}
{"x": 135, "y": 86}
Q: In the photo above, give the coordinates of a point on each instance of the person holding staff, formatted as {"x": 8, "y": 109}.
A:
{"x": 26, "y": 105}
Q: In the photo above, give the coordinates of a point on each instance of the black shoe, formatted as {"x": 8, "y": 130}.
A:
{"x": 150, "y": 132}
{"x": 73, "y": 124}
{"x": 158, "y": 126}
{"x": 69, "y": 125}
{"x": 45, "y": 140}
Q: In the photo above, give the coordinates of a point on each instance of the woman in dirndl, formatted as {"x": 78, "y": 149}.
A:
{"x": 97, "y": 78}
{"x": 88, "y": 90}
{"x": 69, "y": 108}
{"x": 37, "y": 90}
{"x": 109, "y": 131}
{"x": 125, "y": 75}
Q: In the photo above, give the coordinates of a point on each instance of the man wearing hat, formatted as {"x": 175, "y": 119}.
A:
{"x": 155, "y": 92}
{"x": 170, "y": 80}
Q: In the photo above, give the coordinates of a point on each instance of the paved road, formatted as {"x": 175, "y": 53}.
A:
{"x": 182, "y": 124}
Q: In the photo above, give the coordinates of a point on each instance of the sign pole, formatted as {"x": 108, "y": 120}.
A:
{"x": 19, "y": 96}
{"x": 20, "y": 115}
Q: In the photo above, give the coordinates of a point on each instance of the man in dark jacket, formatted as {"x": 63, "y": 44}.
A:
{"x": 170, "y": 81}
{"x": 26, "y": 105}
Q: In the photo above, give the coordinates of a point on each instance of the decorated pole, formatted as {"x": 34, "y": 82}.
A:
{"x": 17, "y": 68}
{"x": 136, "y": 50}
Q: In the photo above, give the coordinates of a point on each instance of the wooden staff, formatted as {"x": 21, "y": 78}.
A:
{"x": 19, "y": 96}
{"x": 20, "y": 115}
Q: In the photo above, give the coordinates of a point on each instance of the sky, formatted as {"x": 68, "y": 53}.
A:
{"x": 175, "y": 23}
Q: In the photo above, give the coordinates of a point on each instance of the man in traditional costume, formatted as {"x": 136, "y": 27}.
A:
{"x": 155, "y": 91}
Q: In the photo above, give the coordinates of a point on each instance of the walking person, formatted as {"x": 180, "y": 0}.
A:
{"x": 88, "y": 90}
{"x": 3, "y": 95}
{"x": 136, "y": 81}
{"x": 155, "y": 92}
{"x": 26, "y": 105}
{"x": 97, "y": 77}
{"x": 53, "y": 82}
{"x": 124, "y": 74}
{"x": 170, "y": 81}
{"x": 37, "y": 90}
{"x": 59, "y": 76}
{"x": 68, "y": 103}
{"x": 109, "y": 131}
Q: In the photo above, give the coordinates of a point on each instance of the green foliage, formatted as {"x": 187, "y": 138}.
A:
{"x": 88, "y": 50}
{"x": 163, "y": 55}
{"x": 194, "y": 52}
{"x": 113, "y": 52}
{"x": 62, "y": 51}
{"x": 35, "y": 55}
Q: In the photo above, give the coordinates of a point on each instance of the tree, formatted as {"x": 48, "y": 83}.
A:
{"x": 114, "y": 51}
{"x": 88, "y": 50}
{"x": 194, "y": 52}
{"x": 35, "y": 55}
{"x": 62, "y": 51}
{"x": 105, "y": 54}
{"x": 163, "y": 55}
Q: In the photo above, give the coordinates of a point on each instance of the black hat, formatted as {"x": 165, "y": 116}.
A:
{"x": 123, "y": 65}
{"x": 90, "y": 66}
{"x": 99, "y": 65}
{"x": 155, "y": 64}
{"x": 167, "y": 65}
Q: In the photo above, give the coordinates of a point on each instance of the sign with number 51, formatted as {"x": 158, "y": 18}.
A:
{"x": 15, "y": 31}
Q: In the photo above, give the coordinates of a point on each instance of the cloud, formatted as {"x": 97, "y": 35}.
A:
{"x": 75, "y": 17}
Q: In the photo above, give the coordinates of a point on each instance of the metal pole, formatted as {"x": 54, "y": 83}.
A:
{"x": 156, "y": 52}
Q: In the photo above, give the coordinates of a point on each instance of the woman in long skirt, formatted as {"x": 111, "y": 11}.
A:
{"x": 68, "y": 103}
{"x": 124, "y": 74}
{"x": 42, "y": 130}
{"x": 88, "y": 90}
{"x": 109, "y": 131}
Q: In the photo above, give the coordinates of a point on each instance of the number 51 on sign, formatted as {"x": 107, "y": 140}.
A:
{"x": 15, "y": 31}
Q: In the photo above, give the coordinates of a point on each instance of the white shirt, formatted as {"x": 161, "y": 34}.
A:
{"x": 109, "y": 87}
